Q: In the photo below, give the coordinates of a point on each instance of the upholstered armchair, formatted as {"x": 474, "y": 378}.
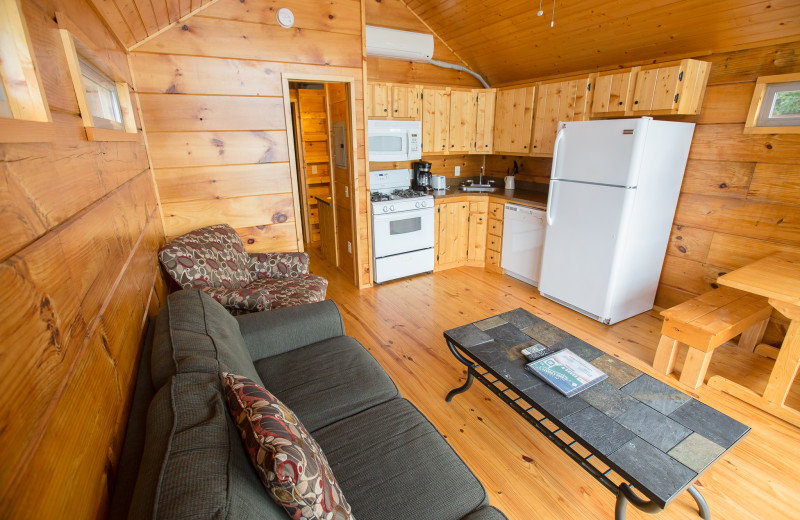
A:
{"x": 214, "y": 260}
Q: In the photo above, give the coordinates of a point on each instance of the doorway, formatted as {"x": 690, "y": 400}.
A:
{"x": 322, "y": 134}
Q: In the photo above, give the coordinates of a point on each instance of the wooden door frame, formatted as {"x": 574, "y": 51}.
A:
{"x": 350, "y": 82}
{"x": 301, "y": 172}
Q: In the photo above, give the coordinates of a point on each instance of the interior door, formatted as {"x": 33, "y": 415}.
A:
{"x": 584, "y": 223}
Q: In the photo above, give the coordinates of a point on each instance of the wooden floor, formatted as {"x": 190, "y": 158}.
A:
{"x": 401, "y": 324}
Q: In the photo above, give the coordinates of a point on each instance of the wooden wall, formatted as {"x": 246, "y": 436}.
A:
{"x": 342, "y": 183}
{"x": 211, "y": 94}
{"x": 81, "y": 230}
{"x": 395, "y": 15}
{"x": 740, "y": 198}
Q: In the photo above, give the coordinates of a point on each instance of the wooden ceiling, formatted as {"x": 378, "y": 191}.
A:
{"x": 135, "y": 20}
{"x": 505, "y": 41}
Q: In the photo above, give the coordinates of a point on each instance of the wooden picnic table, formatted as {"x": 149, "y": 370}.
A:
{"x": 778, "y": 278}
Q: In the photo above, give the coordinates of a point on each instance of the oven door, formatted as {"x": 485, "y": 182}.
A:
{"x": 402, "y": 232}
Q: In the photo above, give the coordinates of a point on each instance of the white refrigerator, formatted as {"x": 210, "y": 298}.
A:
{"x": 614, "y": 186}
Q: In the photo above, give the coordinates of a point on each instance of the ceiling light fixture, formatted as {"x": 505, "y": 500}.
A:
{"x": 540, "y": 12}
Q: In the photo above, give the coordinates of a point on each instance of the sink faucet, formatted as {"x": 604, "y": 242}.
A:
{"x": 480, "y": 179}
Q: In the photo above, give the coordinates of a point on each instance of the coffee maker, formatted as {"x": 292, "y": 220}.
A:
{"x": 421, "y": 178}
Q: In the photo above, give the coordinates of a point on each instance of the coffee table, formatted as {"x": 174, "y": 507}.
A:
{"x": 656, "y": 439}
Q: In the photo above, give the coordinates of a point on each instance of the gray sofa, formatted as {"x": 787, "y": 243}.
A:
{"x": 183, "y": 457}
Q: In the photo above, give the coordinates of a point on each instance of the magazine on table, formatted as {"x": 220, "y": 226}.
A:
{"x": 566, "y": 372}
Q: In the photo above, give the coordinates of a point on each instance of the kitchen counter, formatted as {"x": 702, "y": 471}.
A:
{"x": 527, "y": 197}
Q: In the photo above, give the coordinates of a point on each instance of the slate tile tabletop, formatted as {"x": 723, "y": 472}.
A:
{"x": 655, "y": 436}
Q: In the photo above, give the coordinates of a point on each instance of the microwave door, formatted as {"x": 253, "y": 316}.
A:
{"x": 389, "y": 146}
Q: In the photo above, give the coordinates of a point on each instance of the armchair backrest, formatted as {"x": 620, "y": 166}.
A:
{"x": 212, "y": 256}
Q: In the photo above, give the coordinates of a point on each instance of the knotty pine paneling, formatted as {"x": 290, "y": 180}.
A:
{"x": 78, "y": 259}
{"x": 395, "y": 15}
{"x": 740, "y": 199}
{"x": 212, "y": 98}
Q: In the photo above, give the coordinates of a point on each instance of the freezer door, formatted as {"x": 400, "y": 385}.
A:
{"x": 601, "y": 152}
{"x": 584, "y": 227}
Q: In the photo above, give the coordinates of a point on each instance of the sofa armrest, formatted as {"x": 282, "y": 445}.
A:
{"x": 277, "y": 331}
{"x": 277, "y": 265}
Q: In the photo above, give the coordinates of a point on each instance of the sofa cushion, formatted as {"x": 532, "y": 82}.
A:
{"x": 393, "y": 452}
{"x": 486, "y": 513}
{"x": 194, "y": 333}
{"x": 193, "y": 464}
{"x": 291, "y": 464}
{"x": 287, "y": 292}
{"x": 327, "y": 381}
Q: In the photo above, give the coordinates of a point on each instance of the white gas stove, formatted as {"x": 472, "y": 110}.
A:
{"x": 402, "y": 226}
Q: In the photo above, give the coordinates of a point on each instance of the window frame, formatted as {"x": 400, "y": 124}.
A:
{"x": 30, "y": 121}
{"x": 77, "y": 50}
{"x": 760, "y": 102}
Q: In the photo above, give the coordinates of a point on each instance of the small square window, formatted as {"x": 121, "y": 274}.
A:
{"x": 101, "y": 95}
{"x": 775, "y": 107}
{"x": 103, "y": 98}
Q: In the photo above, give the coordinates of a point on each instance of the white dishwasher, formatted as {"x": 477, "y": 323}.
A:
{"x": 523, "y": 238}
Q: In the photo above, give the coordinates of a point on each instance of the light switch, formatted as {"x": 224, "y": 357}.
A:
{"x": 347, "y": 191}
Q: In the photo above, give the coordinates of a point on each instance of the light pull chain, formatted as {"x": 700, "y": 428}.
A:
{"x": 553, "y": 19}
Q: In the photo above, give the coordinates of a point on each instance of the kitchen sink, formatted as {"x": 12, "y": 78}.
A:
{"x": 488, "y": 189}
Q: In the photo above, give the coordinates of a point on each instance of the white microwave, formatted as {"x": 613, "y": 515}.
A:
{"x": 391, "y": 141}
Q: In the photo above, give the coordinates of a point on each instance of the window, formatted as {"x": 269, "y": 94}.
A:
{"x": 103, "y": 99}
{"x": 101, "y": 95}
{"x": 24, "y": 114}
{"x": 775, "y": 107}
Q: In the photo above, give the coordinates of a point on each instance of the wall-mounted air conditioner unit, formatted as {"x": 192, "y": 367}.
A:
{"x": 404, "y": 45}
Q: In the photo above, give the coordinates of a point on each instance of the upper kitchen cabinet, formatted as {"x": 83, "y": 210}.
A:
{"x": 484, "y": 120}
{"x": 613, "y": 93}
{"x": 406, "y": 101}
{"x": 463, "y": 113}
{"x": 435, "y": 120}
{"x": 378, "y": 101}
{"x": 670, "y": 88}
{"x": 513, "y": 121}
{"x": 393, "y": 101}
{"x": 563, "y": 100}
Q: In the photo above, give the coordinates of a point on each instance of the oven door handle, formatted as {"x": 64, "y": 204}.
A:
{"x": 400, "y": 215}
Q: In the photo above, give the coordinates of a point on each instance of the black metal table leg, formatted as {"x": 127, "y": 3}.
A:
{"x": 626, "y": 495}
{"x": 463, "y": 388}
{"x": 470, "y": 376}
{"x": 701, "y": 502}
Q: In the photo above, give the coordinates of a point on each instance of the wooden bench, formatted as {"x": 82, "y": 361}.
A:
{"x": 706, "y": 322}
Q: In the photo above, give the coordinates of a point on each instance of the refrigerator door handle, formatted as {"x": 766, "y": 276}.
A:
{"x": 559, "y": 137}
{"x": 550, "y": 201}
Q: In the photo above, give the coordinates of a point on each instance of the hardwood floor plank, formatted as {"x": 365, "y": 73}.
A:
{"x": 401, "y": 324}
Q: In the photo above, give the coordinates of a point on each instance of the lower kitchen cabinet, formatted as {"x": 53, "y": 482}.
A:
{"x": 451, "y": 233}
{"x": 494, "y": 238}
{"x": 478, "y": 225}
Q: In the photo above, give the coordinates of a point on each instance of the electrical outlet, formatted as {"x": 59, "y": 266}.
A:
{"x": 458, "y": 171}
{"x": 349, "y": 247}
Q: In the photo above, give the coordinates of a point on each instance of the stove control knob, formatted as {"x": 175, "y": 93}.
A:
{"x": 391, "y": 208}
{"x": 385, "y": 209}
{"x": 423, "y": 204}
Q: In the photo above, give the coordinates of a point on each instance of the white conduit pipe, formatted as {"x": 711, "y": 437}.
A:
{"x": 446, "y": 65}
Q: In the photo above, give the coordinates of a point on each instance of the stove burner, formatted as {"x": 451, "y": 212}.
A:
{"x": 379, "y": 197}
{"x": 406, "y": 194}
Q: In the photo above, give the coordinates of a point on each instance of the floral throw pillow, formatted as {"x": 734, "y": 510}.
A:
{"x": 291, "y": 464}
